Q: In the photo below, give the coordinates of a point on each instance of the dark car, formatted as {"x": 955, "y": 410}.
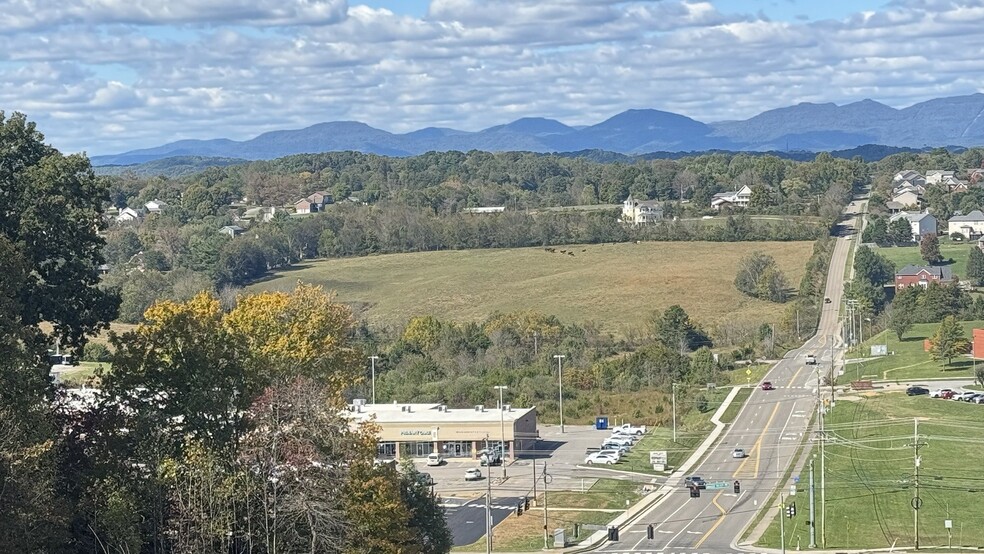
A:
{"x": 826, "y": 301}
{"x": 695, "y": 481}
{"x": 916, "y": 391}
{"x": 767, "y": 386}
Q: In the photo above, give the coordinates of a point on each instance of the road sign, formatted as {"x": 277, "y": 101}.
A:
{"x": 748, "y": 372}
{"x": 948, "y": 523}
{"x": 718, "y": 485}
{"x": 796, "y": 479}
{"x": 879, "y": 349}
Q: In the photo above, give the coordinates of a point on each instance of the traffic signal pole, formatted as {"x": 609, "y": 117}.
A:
{"x": 813, "y": 520}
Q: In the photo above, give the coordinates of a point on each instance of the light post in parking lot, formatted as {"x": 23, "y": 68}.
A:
{"x": 502, "y": 428}
{"x": 560, "y": 386}
{"x": 673, "y": 400}
{"x": 373, "y": 359}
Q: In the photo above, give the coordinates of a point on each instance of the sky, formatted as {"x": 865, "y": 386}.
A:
{"x": 107, "y": 76}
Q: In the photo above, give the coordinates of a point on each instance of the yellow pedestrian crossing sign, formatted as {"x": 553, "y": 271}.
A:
{"x": 748, "y": 372}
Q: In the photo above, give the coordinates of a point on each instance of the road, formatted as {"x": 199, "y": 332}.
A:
{"x": 769, "y": 428}
{"x": 466, "y": 519}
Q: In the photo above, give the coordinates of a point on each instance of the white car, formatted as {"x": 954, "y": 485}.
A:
{"x": 434, "y": 459}
{"x": 738, "y": 453}
{"x": 473, "y": 474}
{"x": 612, "y": 452}
{"x": 599, "y": 458}
{"x": 629, "y": 429}
{"x": 965, "y": 396}
{"x": 621, "y": 448}
{"x": 620, "y": 440}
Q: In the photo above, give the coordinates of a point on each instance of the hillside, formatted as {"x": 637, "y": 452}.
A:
{"x": 616, "y": 285}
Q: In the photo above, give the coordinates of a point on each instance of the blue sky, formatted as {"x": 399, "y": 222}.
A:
{"x": 105, "y": 76}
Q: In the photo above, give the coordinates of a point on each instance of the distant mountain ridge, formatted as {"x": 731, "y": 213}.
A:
{"x": 957, "y": 121}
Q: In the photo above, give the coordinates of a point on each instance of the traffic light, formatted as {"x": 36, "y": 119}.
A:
{"x": 519, "y": 509}
{"x": 791, "y": 510}
{"x": 526, "y": 503}
{"x": 793, "y": 506}
{"x": 613, "y": 533}
{"x": 694, "y": 492}
{"x": 737, "y": 487}
{"x": 650, "y": 532}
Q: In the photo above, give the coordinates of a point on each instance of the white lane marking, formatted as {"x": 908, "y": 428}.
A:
{"x": 670, "y": 518}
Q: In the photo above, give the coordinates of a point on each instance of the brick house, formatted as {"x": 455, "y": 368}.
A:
{"x": 920, "y": 275}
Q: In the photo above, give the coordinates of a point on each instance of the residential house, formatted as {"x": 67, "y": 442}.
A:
{"x": 313, "y": 203}
{"x": 953, "y": 184}
{"x": 739, "y": 198}
{"x": 908, "y": 175}
{"x": 922, "y": 223}
{"x": 908, "y": 197}
{"x": 975, "y": 175}
{"x": 128, "y": 215}
{"x": 908, "y": 185}
{"x": 232, "y": 230}
{"x": 970, "y": 225}
{"x": 259, "y": 214}
{"x": 937, "y": 176}
{"x": 922, "y": 276}
{"x": 155, "y": 206}
{"x": 894, "y": 207}
{"x": 484, "y": 210}
{"x": 641, "y": 211}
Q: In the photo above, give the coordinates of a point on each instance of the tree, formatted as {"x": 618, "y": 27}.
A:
{"x": 900, "y": 231}
{"x": 427, "y": 518}
{"x": 760, "y": 277}
{"x": 674, "y": 330}
{"x": 975, "y": 266}
{"x": 929, "y": 248}
{"x": 900, "y": 321}
{"x": 873, "y": 267}
{"x": 949, "y": 341}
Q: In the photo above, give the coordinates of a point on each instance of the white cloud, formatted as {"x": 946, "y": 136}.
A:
{"x": 109, "y": 75}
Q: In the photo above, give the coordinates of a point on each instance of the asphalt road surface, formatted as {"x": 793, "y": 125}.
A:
{"x": 769, "y": 428}
{"x": 467, "y": 518}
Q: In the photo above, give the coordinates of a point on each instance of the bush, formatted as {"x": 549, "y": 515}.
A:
{"x": 95, "y": 352}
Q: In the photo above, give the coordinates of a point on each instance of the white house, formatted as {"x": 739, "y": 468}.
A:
{"x": 739, "y": 198}
{"x": 970, "y": 225}
{"x": 128, "y": 215}
{"x": 937, "y": 176}
{"x": 484, "y": 210}
{"x": 155, "y": 206}
{"x": 641, "y": 211}
{"x": 922, "y": 223}
{"x": 909, "y": 175}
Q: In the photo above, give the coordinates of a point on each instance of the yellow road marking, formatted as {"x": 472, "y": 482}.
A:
{"x": 716, "y": 523}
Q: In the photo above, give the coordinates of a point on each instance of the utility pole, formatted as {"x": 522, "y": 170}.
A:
{"x": 916, "y": 502}
{"x": 535, "y": 346}
{"x": 831, "y": 378}
{"x": 823, "y": 489}
{"x": 560, "y": 387}
{"x": 488, "y": 514}
{"x": 534, "y": 482}
{"x": 674, "y": 411}
{"x": 373, "y": 359}
{"x": 546, "y": 544}
{"x": 782, "y": 524}
{"x": 813, "y": 521}
{"x": 798, "y": 335}
{"x": 502, "y": 430}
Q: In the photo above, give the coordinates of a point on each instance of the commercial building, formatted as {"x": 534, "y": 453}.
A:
{"x": 416, "y": 430}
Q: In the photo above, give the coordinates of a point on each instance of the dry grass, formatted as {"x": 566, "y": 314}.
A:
{"x": 617, "y": 286}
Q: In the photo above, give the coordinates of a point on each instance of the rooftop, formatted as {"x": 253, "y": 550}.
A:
{"x": 942, "y": 271}
{"x": 433, "y": 413}
{"x": 975, "y": 215}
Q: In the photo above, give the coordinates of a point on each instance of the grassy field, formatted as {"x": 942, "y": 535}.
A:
{"x": 82, "y": 375}
{"x": 605, "y": 494}
{"x": 957, "y": 251}
{"x": 869, "y": 475}
{"x": 616, "y": 285}
{"x": 525, "y": 533}
{"x": 907, "y": 360}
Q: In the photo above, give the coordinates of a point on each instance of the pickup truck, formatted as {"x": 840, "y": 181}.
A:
{"x": 628, "y": 429}
{"x": 811, "y": 359}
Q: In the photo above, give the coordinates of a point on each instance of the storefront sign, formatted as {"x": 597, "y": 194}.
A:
{"x": 415, "y": 433}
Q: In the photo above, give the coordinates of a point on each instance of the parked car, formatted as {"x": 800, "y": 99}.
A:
{"x": 916, "y": 391}
{"x": 490, "y": 457}
{"x": 973, "y": 399}
{"x": 629, "y": 429}
{"x": 948, "y": 395}
{"x": 599, "y": 458}
{"x": 965, "y": 395}
{"x": 611, "y": 452}
{"x": 767, "y": 385}
{"x": 738, "y": 453}
{"x": 620, "y": 440}
{"x": 979, "y": 399}
{"x": 695, "y": 481}
{"x": 434, "y": 459}
{"x": 425, "y": 479}
{"x": 607, "y": 445}
{"x": 473, "y": 474}
{"x": 938, "y": 393}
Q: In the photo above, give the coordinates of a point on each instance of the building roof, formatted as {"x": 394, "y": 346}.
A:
{"x": 942, "y": 271}
{"x": 911, "y": 216}
{"x": 893, "y": 205}
{"x": 975, "y": 215}
{"x": 433, "y": 413}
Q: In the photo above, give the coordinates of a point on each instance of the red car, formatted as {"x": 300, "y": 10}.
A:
{"x": 767, "y": 385}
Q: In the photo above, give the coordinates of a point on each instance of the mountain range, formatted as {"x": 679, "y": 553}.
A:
{"x": 954, "y": 121}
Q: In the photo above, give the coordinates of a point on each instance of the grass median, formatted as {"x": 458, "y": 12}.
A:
{"x": 869, "y": 475}
{"x": 907, "y": 359}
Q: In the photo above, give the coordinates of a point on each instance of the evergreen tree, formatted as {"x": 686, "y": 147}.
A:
{"x": 975, "y": 266}
{"x": 873, "y": 267}
{"x": 929, "y": 248}
{"x": 900, "y": 231}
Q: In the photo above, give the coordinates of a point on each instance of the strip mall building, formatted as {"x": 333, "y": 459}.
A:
{"x": 416, "y": 430}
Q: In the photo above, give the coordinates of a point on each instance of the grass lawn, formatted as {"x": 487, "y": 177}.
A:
{"x": 606, "y": 494}
{"x": 907, "y": 360}
{"x": 869, "y": 475}
{"x": 525, "y": 533}
{"x": 596, "y": 284}
{"x": 81, "y": 375}
{"x": 957, "y": 251}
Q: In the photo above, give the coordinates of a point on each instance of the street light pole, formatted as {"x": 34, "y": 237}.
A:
{"x": 502, "y": 428}
{"x": 560, "y": 386}
{"x": 373, "y": 359}
{"x": 674, "y": 411}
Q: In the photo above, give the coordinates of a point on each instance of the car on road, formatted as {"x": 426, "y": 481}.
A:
{"x": 938, "y": 393}
{"x": 826, "y": 301}
{"x": 738, "y": 453}
{"x": 600, "y": 458}
{"x": 767, "y": 385}
{"x": 811, "y": 359}
{"x": 490, "y": 457}
{"x": 916, "y": 390}
{"x": 473, "y": 474}
{"x": 435, "y": 459}
{"x": 425, "y": 479}
{"x": 695, "y": 481}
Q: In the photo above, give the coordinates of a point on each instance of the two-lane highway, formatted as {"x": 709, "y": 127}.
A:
{"x": 769, "y": 427}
